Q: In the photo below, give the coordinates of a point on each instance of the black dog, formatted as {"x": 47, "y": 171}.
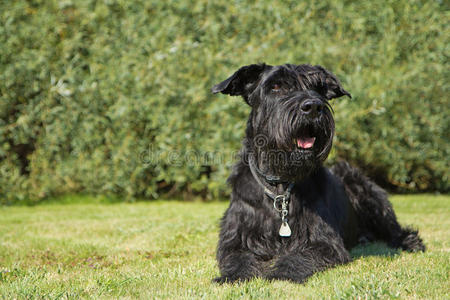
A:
{"x": 289, "y": 216}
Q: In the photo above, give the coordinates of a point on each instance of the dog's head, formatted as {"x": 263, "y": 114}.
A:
{"x": 291, "y": 125}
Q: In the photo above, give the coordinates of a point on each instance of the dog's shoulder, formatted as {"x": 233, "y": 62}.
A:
{"x": 243, "y": 184}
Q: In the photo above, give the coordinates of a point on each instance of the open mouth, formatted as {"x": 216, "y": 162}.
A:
{"x": 305, "y": 142}
{"x": 305, "y": 139}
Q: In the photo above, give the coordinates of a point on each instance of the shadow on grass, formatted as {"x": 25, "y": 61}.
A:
{"x": 373, "y": 249}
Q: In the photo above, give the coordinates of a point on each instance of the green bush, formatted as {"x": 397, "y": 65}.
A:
{"x": 112, "y": 97}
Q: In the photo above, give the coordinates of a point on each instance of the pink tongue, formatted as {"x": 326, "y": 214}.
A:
{"x": 306, "y": 143}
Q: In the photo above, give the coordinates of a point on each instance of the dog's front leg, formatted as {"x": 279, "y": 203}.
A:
{"x": 237, "y": 262}
{"x": 298, "y": 266}
{"x": 238, "y": 266}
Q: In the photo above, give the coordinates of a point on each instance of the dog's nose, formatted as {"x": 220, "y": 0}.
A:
{"x": 311, "y": 107}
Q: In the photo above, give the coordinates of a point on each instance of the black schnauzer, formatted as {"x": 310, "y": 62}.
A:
{"x": 289, "y": 216}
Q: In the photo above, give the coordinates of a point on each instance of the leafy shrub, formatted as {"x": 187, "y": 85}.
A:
{"x": 112, "y": 97}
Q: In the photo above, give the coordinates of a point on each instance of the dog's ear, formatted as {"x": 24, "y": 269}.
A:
{"x": 242, "y": 82}
{"x": 325, "y": 82}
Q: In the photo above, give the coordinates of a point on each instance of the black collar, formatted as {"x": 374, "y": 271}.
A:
{"x": 280, "y": 202}
{"x": 270, "y": 179}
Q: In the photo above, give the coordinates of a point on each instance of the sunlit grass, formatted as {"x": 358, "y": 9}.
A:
{"x": 166, "y": 250}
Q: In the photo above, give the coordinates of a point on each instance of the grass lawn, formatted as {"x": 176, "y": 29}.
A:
{"x": 89, "y": 248}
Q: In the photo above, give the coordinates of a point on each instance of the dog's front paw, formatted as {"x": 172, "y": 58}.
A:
{"x": 220, "y": 280}
{"x": 223, "y": 279}
{"x": 287, "y": 277}
{"x": 228, "y": 279}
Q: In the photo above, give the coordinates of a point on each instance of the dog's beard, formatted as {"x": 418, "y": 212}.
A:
{"x": 294, "y": 144}
{"x": 290, "y": 166}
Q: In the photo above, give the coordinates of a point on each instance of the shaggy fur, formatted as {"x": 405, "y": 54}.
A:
{"x": 330, "y": 210}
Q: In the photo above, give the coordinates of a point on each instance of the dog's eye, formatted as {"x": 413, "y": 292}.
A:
{"x": 276, "y": 87}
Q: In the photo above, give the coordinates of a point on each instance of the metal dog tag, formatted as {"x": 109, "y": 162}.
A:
{"x": 285, "y": 230}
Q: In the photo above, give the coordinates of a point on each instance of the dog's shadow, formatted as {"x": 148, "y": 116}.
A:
{"x": 373, "y": 249}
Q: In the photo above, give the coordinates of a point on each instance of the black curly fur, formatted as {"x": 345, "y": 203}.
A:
{"x": 329, "y": 210}
{"x": 376, "y": 217}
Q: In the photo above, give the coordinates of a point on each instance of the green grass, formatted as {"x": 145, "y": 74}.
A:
{"x": 166, "y": 250}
